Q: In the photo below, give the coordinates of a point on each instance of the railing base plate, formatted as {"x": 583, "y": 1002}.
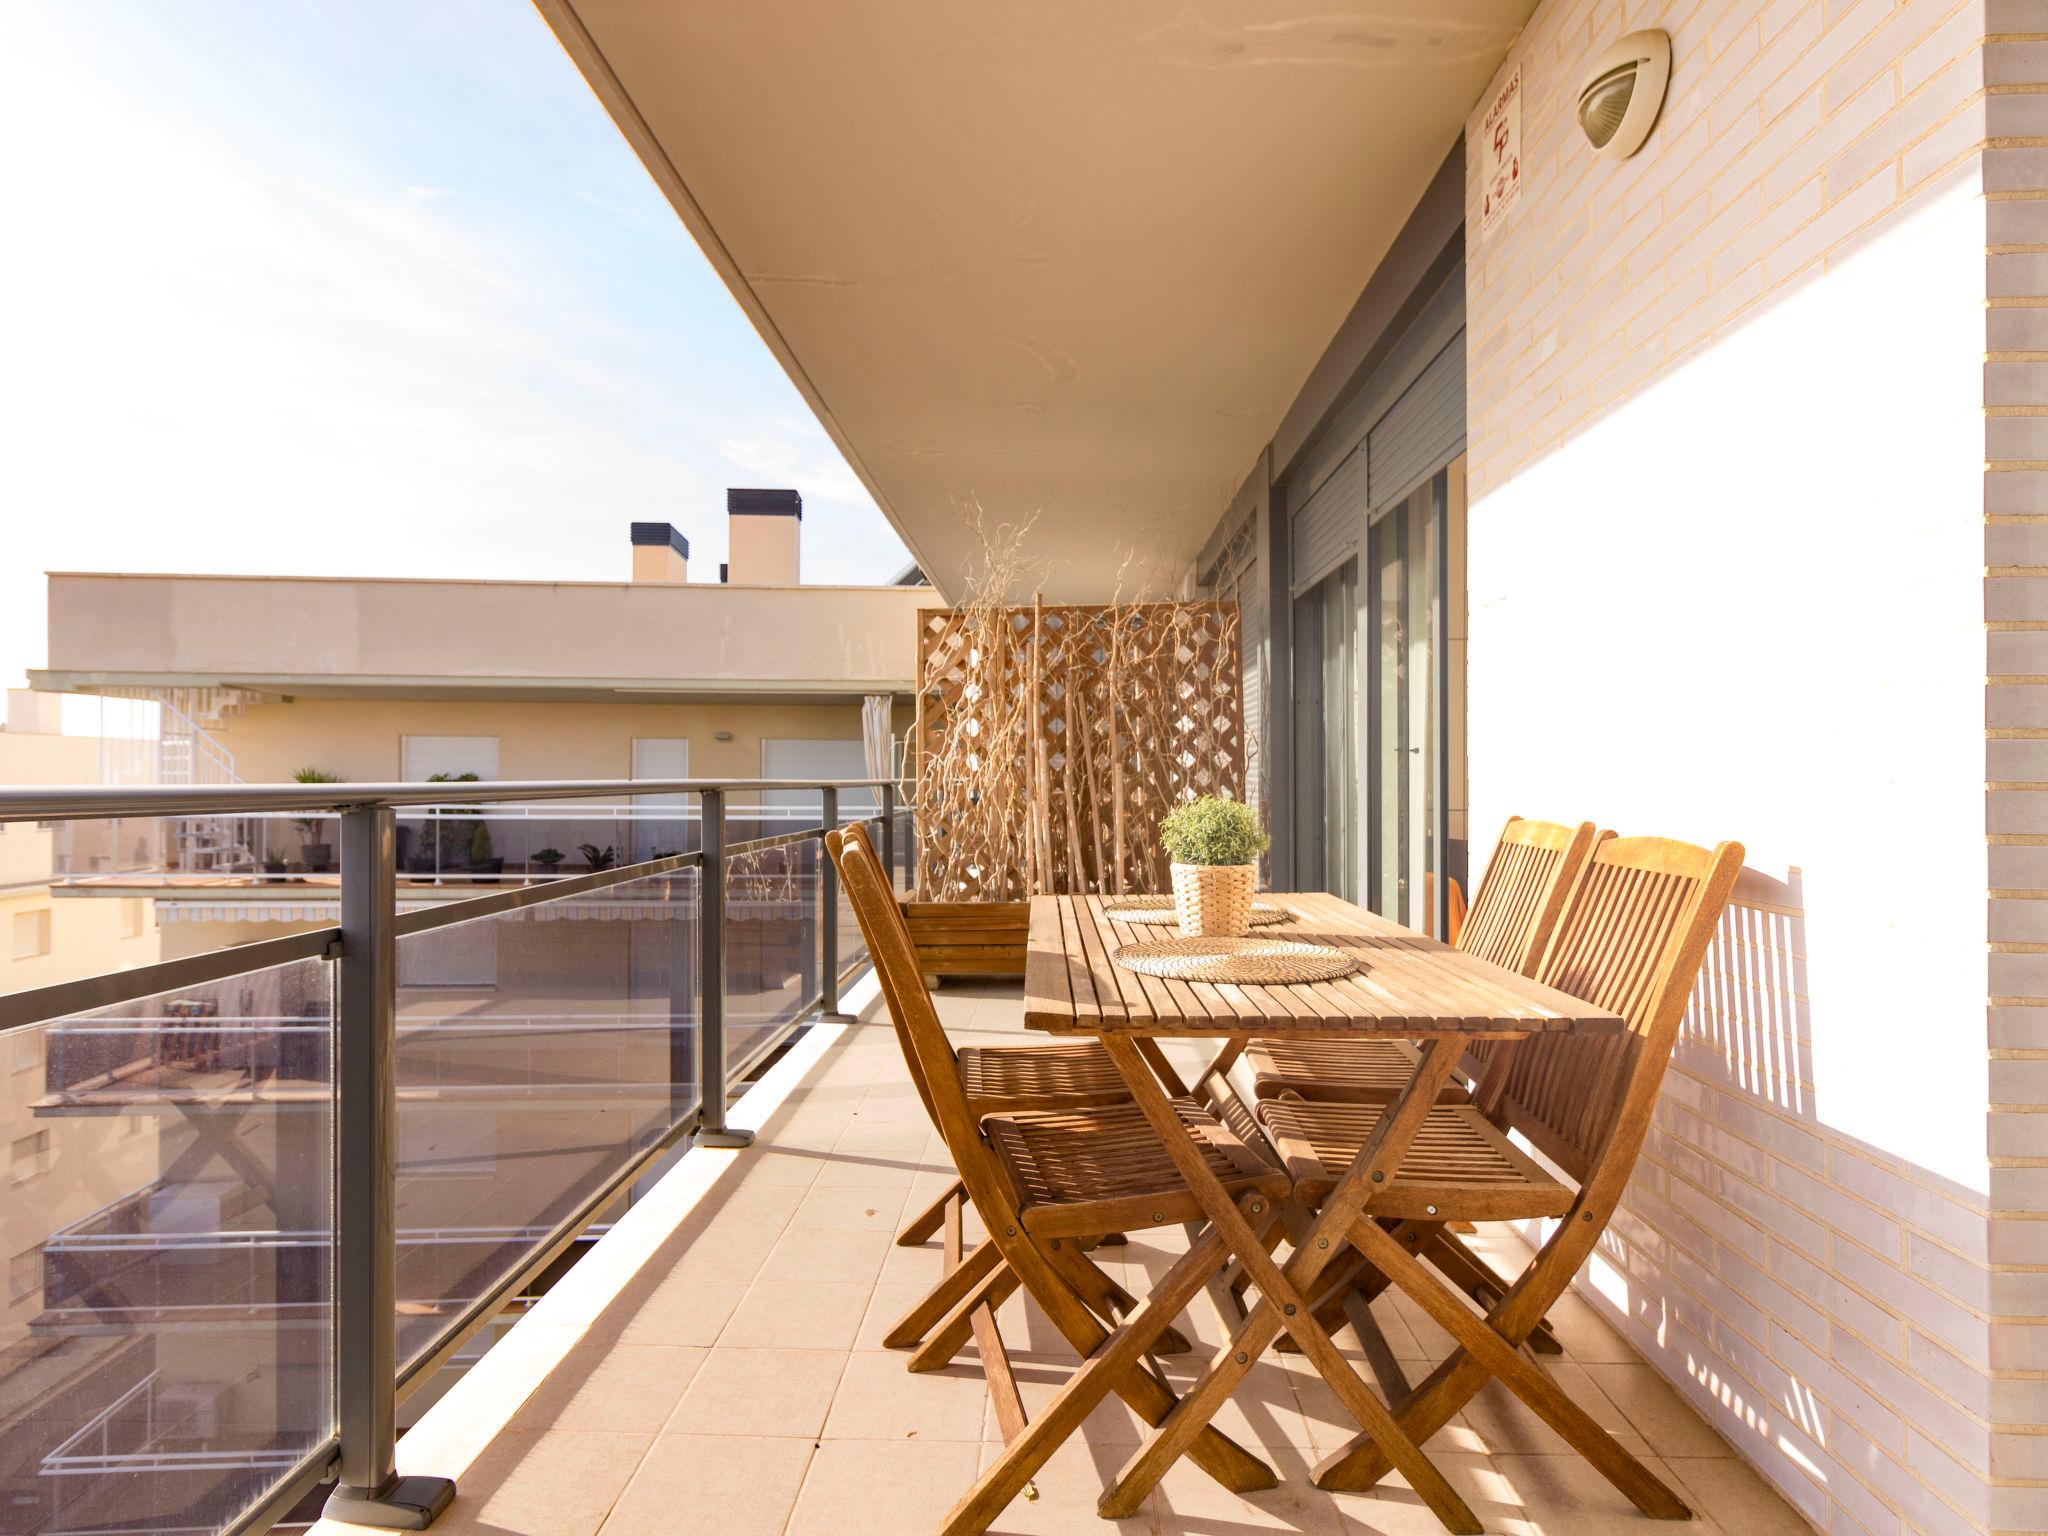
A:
{"x": 407, "y": 1504}
{"x": 728, "y": 1137}
{"x": 836, "y": 1017}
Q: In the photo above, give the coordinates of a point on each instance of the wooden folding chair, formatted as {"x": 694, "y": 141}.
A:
{"x": 1042, "y": 1183}
{"x": 1510, "y": 922}
{"x": 1632, "y": 938}
{"x": 994, "y": 1079}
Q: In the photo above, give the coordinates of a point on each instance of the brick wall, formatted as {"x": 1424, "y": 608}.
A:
{"x": 1727, "y": 446}
{"x": 2016, "y": 753}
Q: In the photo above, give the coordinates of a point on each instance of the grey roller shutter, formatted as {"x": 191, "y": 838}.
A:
{"x": 1423, "y": 430}
{"x": 1327, "y": 526}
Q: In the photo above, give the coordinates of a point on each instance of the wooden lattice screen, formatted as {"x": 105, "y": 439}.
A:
{"x": 1050, "y": 740}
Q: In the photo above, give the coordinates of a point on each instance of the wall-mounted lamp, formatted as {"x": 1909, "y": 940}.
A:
{"x": 1624, "y": 92}
{"x": 721, "y": 735}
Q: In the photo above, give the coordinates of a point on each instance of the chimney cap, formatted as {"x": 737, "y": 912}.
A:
{"x": 661, "y": 533}
{"x": 760, "y": 503}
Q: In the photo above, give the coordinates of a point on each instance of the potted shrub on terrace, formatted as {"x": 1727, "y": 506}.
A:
{"x": 483, "y": 858}
{"x": 1214, "y": 844}
{"x": 547, "y": 859}
{"x": 319, "y": 856}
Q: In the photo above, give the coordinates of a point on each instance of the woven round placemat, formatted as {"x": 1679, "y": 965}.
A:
{"x": 1160, "y": 909}
{"x": 1256, "y": 962}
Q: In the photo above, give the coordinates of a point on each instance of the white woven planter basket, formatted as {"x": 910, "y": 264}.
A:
{"x": 1214, "y": 900}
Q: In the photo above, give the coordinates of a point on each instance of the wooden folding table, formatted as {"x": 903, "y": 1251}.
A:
{"x": 1406, "y": 987}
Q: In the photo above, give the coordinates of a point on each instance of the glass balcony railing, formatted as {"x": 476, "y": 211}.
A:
{"x": 260, "y": 1195}
{"x": 496, "y": 842}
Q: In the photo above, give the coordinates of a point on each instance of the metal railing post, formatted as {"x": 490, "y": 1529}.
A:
{"x": 366, "y": 1189}
{"x": 828, "y": 916}
{"x": 889, "y": 833}
{"x": 713, "y": 1132}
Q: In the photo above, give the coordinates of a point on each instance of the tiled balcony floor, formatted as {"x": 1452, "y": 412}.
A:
{"x": 737, "y": 1383}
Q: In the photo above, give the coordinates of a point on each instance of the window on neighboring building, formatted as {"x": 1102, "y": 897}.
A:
{"x": 421, "y": 757}
{"x": 31, "y": 933}
{"x": 813, "y": 759}
{"x": 24, "y": 1274}
{"x": 30, "y": 1156}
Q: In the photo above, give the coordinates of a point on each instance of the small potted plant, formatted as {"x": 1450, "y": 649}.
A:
{"x": 598, "y": 858}
{"x": 1215, "y": 844}
{"x": 319, "y": 856}
{"x": 547, "y": 859}
{"x": 483, "y": 858}
{"x": 273, "y": 868}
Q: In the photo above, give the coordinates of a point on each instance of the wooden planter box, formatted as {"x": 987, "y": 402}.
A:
{"x": 969, "y": 938}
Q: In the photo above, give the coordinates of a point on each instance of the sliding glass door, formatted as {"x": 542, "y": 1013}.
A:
{"x": 1406, "y": 710}
{"x": 1326, "y": 734}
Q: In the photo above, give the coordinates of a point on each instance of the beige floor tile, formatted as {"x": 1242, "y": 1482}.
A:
{"x": 1565, "y": 1496}
{"x": 1665, "y": 1419}
{"x": 779, "y": 1392}
{"x": 1394, "y": 1509}
{"x": 1728, "y": 1491}
{"x": 1062, "y": 1495}
{"x": 769, "y": 1164}
{"x": 1585, "y": 1334}
{"x": 810, "y": 1253}
{"x": 558, "y": 1483}
{"x": 797, "y": 1314}
{"x": 858, "y": 1207}
{"x": 879, "y": 1399}
{"x": 703, "y": 1485}
{"x": 626, "y": 1387}
{"x": 1188, "y": 1499}
{"x": 902, "y": 1486}
{"x": 922, "y": 1265}
{"x": 688, "y": 1315}
{"x": 892, "y": 1298}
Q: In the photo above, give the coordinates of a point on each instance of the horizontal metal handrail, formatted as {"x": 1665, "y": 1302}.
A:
{"x": 37, "y": 1005}
{"x": 70, "y": 802}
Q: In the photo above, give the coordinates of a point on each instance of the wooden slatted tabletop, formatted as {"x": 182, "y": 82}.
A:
{"x": 1406, "y": 986}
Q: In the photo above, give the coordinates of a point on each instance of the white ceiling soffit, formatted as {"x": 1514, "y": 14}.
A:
{"x": 1058, "y": 258}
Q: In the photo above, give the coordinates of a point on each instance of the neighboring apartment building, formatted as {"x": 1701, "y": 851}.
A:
{"x": 753, "y": 675}
{"x": 47, "y": 939}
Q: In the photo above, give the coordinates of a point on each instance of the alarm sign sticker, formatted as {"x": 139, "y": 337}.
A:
{"x": 1500, "y": 153}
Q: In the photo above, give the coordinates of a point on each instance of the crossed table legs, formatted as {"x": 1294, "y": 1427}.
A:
{"x": 1285, "y": 1292}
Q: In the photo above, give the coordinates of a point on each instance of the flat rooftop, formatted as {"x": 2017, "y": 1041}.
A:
{"x": 340, "y": 637}
{"x": 715, "y": 1365}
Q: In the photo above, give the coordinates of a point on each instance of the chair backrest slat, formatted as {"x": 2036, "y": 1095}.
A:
{"x": 1519, "y": 899}
{"x": 1634, "y": 932}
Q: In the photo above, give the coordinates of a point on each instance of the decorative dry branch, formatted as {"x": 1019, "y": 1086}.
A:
{"x": 1051, "y": 739}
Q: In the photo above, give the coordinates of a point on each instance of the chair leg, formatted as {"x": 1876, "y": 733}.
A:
{"x": 1112, "y": 1362}
{"x": 945, "y": 1296}
{"x": 1486, "y": 1351}
{"x": 951, "y": 1335}
{"x": 1482, "y": 1282}
{"x": 926, "y": 1222}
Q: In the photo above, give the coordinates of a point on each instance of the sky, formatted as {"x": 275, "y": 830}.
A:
{"x": 361, "y": 289}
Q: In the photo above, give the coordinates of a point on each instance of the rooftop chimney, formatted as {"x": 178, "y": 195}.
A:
{"x": 763, "y": 535}
{"x": 661, "y": 556}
